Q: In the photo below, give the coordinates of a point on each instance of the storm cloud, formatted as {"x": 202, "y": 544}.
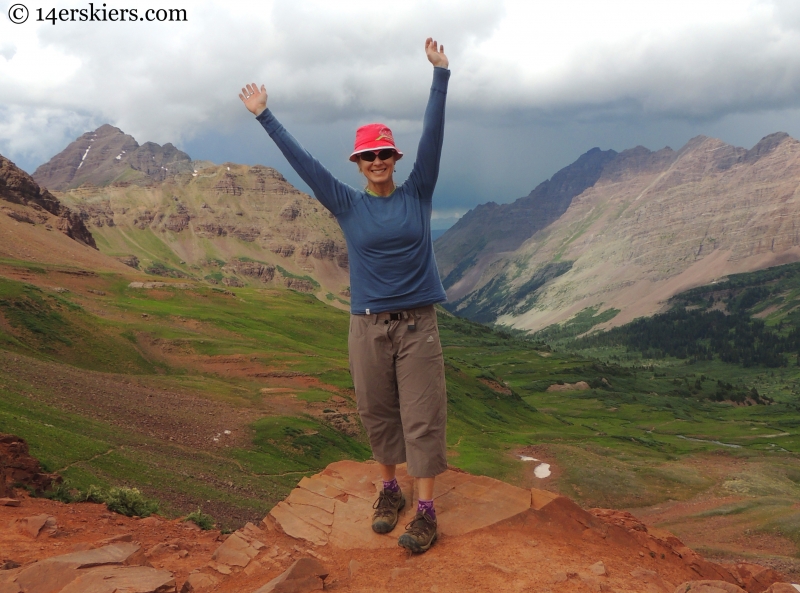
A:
{"x": 534, "y": 84}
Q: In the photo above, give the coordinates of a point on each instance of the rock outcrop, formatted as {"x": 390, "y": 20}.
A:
{"x": 493, "y": 537}
{"x": 38, "y": 206}
{"x": 335, "y": 506}
{"x": 252, "y": 269}
{"x": 18, "y": 467}
{"x": 116, "y": 567}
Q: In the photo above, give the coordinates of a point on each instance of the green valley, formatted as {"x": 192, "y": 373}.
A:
{"x": 222, "y": 399}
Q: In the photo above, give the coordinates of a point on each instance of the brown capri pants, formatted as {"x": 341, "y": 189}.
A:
{"x": 398, "y": 374}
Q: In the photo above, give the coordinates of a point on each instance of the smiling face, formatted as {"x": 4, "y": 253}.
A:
{"x": 378, "y": 172}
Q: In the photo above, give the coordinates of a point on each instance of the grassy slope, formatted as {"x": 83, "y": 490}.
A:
{"x": 616, "y": 445}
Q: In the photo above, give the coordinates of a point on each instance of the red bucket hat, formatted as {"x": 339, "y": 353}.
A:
{"x": 374, "y": 137}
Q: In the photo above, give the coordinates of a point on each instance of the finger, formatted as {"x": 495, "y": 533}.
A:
{"x": 435, "y": 46}
{"x": 244, "y": 92}
{"x": 263, "y": 89}
{"x": 441, "y": 49}
{"x": 241, "y": 96}
{"x": 428, "y": 41}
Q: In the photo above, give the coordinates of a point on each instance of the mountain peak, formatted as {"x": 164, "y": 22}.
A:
{"x": 108, "y": 155}
{"x": 766, "y": 145}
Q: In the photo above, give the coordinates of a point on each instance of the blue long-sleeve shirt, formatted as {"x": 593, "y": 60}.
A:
{"x": 392, "y": 266}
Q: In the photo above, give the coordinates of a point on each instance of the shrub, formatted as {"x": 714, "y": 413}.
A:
{"x": 203, "y": 521}
{"x": 94, "y": 494}
{"x": 60, "y": 493}
{"x": 130, "y": 502}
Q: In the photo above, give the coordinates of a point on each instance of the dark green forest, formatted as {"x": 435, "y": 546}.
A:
{"x": 718, "y": 321}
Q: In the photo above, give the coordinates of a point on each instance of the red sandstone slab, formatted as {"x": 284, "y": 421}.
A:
{"x": 479, "y": 502}
{"x": 305, "y": 497}
{"x": 115, "y": 579}
{"x": 448, "y": 481}
{"x": 352, "y": 526}
{"x": 315, "y": 514}
{"x": 235, "y": 551}
{"x": 319, "y": 485}
{"x": 53, "y": 574}
{"x": 464, "y": 503}
{"x": 296, "y": 527}
{"x": 353, "y": 478}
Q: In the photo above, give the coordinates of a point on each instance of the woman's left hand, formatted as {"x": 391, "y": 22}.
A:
{"x": 435, "y": 53}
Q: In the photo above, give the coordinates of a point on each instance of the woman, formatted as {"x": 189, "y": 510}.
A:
{"x": 395, "y": 354}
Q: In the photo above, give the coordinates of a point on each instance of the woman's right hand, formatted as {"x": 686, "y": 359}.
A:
{"x": 254, "y": 99}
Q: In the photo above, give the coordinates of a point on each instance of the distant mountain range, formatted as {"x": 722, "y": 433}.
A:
{"x": 154, "y": 208}
{"x": 614, "y": 235}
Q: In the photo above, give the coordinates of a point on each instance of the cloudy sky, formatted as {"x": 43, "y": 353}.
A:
{"x": 534, "y": 83}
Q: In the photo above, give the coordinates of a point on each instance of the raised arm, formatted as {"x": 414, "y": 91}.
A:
{"x": 426, "y": 167}
{"x": 332, "y": 193}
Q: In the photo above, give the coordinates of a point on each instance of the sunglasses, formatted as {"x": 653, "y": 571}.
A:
{"x": 370, "y": 155}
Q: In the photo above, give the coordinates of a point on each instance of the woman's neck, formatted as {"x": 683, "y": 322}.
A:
{"x": 384, "y": 189}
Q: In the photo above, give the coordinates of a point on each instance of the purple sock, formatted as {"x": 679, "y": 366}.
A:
{"x": 392, "y": 485}
{"x": 426, "y": 505}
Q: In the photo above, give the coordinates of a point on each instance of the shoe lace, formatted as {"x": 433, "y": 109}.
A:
{"x": 384, "y": 503}
{"x": 420, "y": 524}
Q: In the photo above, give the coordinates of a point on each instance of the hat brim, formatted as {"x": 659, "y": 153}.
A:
{"x": 354, "y": 156}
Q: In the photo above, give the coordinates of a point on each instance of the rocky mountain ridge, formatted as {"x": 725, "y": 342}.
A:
{"x": 26, "y": 202}
{"x": 504, "y": 227}
{"x": 652, "y": 225}
{"x": 155, "y": 209}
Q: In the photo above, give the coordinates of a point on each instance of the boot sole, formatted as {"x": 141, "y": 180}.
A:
{"x": 383, "y": 528}
{"x": 411, "y": 544}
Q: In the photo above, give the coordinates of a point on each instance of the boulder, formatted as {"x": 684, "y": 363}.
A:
{"x": 198, "y": 581}
{"x": 306, "y": 574}
{"x": 755, "y": 578}
{"x": 599, "y": 569}
{"x": 33, "y": 525}
{"x": 129, "y": 260}
{"x": 235, "y": 551}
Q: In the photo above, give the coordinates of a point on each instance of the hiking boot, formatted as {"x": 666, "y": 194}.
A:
{"x": 420, "y": 533}
{"x": 387, "y": 510}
